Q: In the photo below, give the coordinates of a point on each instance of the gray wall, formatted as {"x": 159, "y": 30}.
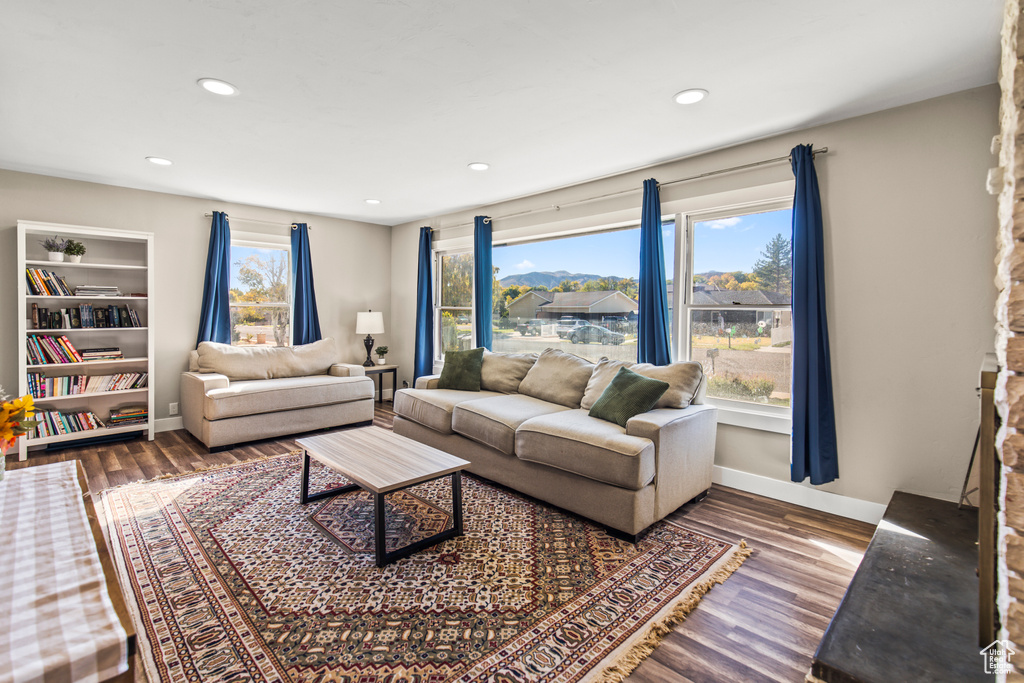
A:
{"x": 909, "y": 252}
{"x": 351, "y": 262}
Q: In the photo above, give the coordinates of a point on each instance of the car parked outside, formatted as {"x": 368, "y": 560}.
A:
{"x": 567, "y": 325}
{"x": 592, "y": 333}
{"x": 531, "y": 327}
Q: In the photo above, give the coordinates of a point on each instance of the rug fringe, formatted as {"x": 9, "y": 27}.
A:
{"x": 210, "y": 468}
{"x": 657, "y": 631}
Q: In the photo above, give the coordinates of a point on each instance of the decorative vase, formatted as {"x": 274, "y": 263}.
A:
{"x": 56, "y": 255}
{"x": 380, "y": 360}
{"x": 75, "y": 258}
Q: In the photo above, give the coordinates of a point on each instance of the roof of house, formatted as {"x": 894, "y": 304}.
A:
{"x": 580, "y": 301}
{"x": 547, "y": 296}
{"x": 729, "y": 297}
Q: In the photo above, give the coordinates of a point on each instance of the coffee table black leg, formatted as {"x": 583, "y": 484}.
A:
{"x": 383, "y": 557}
{"x": 457, "y": 503}
{"x": 379, "y": 531}
{"x": 306, "y": 497}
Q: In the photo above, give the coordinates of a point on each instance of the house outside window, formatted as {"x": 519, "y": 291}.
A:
{"x": 260, "y": 290}
{"x": 738, "y": 304}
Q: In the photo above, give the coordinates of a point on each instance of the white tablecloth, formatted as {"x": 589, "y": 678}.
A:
{"x": 56, "y": 620}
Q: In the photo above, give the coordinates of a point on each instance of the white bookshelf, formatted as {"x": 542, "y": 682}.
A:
{"x": 113, "y": 257}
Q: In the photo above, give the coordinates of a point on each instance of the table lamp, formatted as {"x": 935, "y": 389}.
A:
{"x": 369, "y": 323}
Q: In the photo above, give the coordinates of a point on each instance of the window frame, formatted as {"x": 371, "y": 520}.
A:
{"x": 732, "y": 412}
{"x": 267, "y": 241}
{"x": 439, "y": 310}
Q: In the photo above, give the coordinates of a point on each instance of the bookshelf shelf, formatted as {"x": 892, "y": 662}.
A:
{"x": 69, "y": 397}
{"x": 50, "y": 265}
{"x": 115, "y": 258}
{"x": 88, "y": 434}
{"x": 88, "y": 363}
{"x": 77, "y": 330}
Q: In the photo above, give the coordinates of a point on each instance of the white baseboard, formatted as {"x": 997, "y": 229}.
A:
{"x": 791, "y": 492}
{"x": 169, "y": 424}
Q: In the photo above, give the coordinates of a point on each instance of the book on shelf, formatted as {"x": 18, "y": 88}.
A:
{"x": 44, "y": 283}
{"x": 108, "y": 353}
{"x": 56, "y": 423}
{"x": 44, "y": 349}
{"x": 97, "y": 290}
{"x": 43, "y": 387}
{"x": 129, "y": 415}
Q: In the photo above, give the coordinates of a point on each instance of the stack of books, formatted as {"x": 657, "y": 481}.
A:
{"x": 44, "y": 349}
{"x": 129, "y": 415}
{"x": 108, "y": 353}
{"x": 41, "y": 386}
{"x": 53, "y": 423}
{"x": 45, "y": 283}
{"x": 97, "y": 290}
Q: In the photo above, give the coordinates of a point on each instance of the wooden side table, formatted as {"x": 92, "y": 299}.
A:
{"x": 380, "y": 370}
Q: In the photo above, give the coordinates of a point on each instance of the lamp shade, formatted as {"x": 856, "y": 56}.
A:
{"x": 369, "y": 322}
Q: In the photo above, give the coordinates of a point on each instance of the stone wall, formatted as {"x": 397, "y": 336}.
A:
{"x": 1008, "y": 181}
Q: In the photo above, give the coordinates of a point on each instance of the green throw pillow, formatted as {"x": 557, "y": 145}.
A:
{"x": 627, "y": 395}
{"x": 462, "y": 370}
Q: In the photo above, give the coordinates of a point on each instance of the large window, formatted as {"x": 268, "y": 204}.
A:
{"x": 260, "y": 291}
{"x": 738, "y": 302}
{"x": 578, "y": 293}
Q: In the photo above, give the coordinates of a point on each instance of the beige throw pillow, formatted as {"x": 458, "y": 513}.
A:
{"x": 683, "y": 378}
{"x": 505, "y": 371}
{"x": 257, "y": 362}
{"x": 558, "y": 377}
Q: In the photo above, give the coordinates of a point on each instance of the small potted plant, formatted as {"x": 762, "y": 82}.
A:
{"x": 55, "y": 246}
{"x": 75, "y": 251}
{"x": 381, "y": 352}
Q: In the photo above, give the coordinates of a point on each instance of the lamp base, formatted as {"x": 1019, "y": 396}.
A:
{"x": 368, "y": 343}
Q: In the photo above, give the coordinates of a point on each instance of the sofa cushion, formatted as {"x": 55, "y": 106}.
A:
{"x": 494, "y": 422}
{"x": 433, "y": 407}
{"x": 462, "y": 370}
{"x": 558, "y": 377}
{"x": 254, "y": 397}
{"x": 628, "y": 394}
{"x": 575, "y": 442}
{"x": 684, "y": 379}
{"x": 270, "y": 362}
{"x": 505, "y": 371}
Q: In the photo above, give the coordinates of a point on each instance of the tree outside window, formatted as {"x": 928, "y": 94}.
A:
{"x": 260, "y": 296}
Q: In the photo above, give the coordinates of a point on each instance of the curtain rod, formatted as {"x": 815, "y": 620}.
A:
{"x": 558, "y": 207}
{"x": 256, "y": 220}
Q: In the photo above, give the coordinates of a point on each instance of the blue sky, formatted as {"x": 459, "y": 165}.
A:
{"x": 239, "y": 253}
{"x": 725, "y": 245}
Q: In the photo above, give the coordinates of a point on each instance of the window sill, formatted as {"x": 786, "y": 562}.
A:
{"x": 737, "y": 415}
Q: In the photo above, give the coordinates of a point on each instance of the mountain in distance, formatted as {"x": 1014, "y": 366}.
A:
{"x": 546, "y": 279}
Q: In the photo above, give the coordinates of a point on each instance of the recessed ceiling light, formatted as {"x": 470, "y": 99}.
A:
{"x": 479, "y": 166}
{"x": 690, "y": 96}
{"x": 217, "y": 87}
{"x": 159, "y": 161}
{"x": 372, "y": 201}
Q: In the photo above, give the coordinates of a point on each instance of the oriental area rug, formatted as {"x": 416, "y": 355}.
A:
{"x": 234, "y": 580}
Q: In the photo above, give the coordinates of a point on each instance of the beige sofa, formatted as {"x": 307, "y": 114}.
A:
{"x": 528, "y": 428}
{"x": 234, "y": 394}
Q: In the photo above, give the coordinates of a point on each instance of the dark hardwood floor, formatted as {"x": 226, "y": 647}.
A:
{"x": 763, "y": 624}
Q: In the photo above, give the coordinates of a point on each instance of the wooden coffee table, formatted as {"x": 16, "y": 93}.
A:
{"x": 380, "y": 461}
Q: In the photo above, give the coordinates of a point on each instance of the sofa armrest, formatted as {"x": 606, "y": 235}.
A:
{"x": 347, "y": 370}
{"x": 684, "y": 456}
{"x": 427, "y": 381}
{"x": 194, "y": 386}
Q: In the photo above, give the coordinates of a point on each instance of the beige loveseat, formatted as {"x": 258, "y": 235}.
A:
{"x": 234, "y": 394}
{"x": 529, "y": 429}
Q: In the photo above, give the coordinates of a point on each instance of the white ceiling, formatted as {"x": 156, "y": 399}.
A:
{"x": 344, "y": 100}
